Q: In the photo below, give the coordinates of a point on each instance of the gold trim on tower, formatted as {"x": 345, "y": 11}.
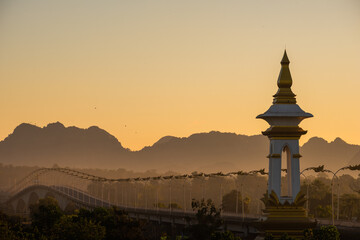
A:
{"x": 284, "y": 131}
{"x": 274, "y": 155}
{"x": 284, "y": 95}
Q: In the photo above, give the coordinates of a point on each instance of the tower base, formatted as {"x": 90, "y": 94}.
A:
{"x": 279, "y": 218}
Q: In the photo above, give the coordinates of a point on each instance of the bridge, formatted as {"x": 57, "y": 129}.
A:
{"x": 152, "y": 198}
{"x": 162, "y": 199}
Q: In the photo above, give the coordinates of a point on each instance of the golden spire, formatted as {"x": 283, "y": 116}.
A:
{"x": 284, "y": 95}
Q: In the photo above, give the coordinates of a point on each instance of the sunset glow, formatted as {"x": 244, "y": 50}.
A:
{"x": 142, "y": 70}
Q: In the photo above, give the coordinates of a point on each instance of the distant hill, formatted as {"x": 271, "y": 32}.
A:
{"x": 355, "y": 160}
{"x": 207, "y": 152}
{"x": 213, "y": 151}
{"x": 333, "y": 155}
{"x": 31, "y": 145}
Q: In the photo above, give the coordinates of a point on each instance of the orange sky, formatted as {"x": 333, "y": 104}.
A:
{"x": 145, "y": 69}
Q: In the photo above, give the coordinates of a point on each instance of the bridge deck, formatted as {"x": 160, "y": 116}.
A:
{"x": 233, "y": 222}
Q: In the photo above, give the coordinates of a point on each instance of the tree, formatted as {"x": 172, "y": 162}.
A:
{"x": 323, "y": 211}
{"x": 45, "y": 214}
{"x": 11, "y": 228}
{"x": 322, "y": 233}
{"x": 72, "y": 227}
{"x": 229, "y": 202}
{"x": 5, "y": 231}
{"x": 208, "y": 220}
{"x": 49, "y": 223}
{"x": 118, "y": 224}
{"x": 227, "y": 235}
{"x": 319, "y": 198}
{"x": 350, "y": 206}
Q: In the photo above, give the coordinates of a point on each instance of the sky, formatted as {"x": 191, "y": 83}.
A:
{"x": 143, "y": 69}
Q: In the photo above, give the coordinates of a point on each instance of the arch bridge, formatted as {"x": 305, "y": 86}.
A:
{"x": 161, "y": 199}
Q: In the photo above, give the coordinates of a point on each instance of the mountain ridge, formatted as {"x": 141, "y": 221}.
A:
{"x": 206, "y": 152}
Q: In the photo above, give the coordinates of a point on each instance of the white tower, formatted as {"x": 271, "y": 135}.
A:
{"x": 284, "y": 116}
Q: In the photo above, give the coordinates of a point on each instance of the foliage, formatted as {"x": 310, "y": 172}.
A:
{"x": 174, "y": 206}
{"x": 160, "y": 205}
{"x": 350, "y": 206}
{"x": 5, "y": 231}
{"x": 72, "y": 227}
{"x": 285, "y": 236}
{"x": 12, "y": 229}
{"x": 118, "y": 224}
{"x": 208, "y": 220}
{"x": 182, "y": 238}
{"x": 322, "y": 233}
{"x": 269, "y": 236}
{"x": 227, "y": 235}
{"x": 45, "y": 214}
{"x": 323, "y": 211}
{"x": 229, "y": 202}
{"x": 49, "y": 223}
{"x": 319, "y": 198}
{"x": 308, "y": 234}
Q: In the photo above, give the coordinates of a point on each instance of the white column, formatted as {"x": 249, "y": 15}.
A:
{"x": 275, "y": 176}
{"x": 295, "y": 178}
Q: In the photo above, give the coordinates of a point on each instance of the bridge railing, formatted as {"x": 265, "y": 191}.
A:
{"x": 236, "y": 193}
{"x": 171, "y": 192}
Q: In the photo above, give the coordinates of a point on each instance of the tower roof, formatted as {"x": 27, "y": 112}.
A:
{"x": 284, "y": 115}
{"x": 284, "y": 94}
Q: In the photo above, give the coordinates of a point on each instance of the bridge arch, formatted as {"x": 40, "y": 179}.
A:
{"x": 33, "y": 198}
{"x": 49, "y": 194}
{"x": 20, "y": 207}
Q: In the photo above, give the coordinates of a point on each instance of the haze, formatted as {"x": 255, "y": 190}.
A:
{"x": 146, "y": 69}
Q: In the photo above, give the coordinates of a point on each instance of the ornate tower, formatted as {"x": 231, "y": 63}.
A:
{"x": 284, "y": 212}
{"x": 284, "y": 116}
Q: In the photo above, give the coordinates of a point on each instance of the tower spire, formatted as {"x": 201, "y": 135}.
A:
{"x": 284, "y": 94}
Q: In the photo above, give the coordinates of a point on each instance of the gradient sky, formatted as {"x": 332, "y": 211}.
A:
{"x": 145, "y": 69}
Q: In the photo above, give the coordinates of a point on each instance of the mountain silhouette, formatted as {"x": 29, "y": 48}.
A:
{"x": 205, "y": 152}
{"x": 355, "y": 160}
{"x": 71, "y": 146}
{"x": 333, "y": 155}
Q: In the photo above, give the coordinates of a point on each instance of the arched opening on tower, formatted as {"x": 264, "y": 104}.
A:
{"x": 286, "y": 190}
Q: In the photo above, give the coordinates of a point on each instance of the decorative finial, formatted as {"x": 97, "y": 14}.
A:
{"x": 284, "y": 95}
{"x": 285, "y": 59}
